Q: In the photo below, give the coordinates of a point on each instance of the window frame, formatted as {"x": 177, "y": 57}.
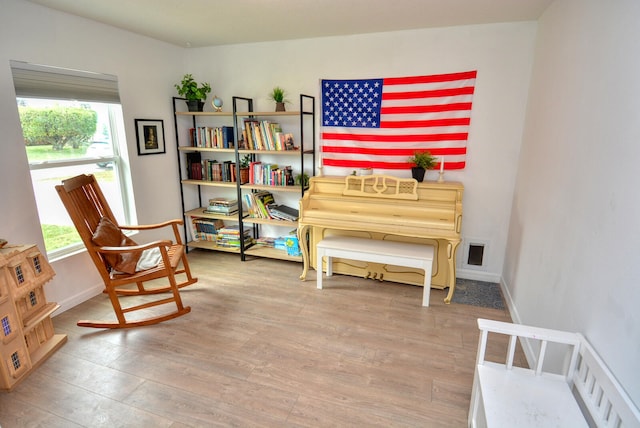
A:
{"x": 42, "y": 82}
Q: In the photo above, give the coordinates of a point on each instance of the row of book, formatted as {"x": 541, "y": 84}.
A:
{"x": 206, "y": 229}
{"x": 214, "y": 230}
{"x": 266, "y": 135}
{"x": 211, "y": 169}
{"x": 220, "y": 137}
{"x": 270, "y": 174}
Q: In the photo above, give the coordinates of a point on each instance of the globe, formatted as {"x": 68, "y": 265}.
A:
{"x": 216, "y": 103}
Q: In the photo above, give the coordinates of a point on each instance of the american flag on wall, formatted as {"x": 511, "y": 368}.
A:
{"x": 380, "y": 123}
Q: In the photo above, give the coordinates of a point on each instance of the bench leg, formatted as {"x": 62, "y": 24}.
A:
{"x": 427, "y": 284}
{"x": 319, "y": 253}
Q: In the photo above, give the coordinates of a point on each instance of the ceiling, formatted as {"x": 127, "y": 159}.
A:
{"x": 197, "y": 23}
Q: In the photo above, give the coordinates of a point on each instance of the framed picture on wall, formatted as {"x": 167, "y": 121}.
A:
{"x": 150, "y": 136}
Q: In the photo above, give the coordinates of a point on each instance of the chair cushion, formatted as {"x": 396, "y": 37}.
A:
{"x": 108, "y": 234}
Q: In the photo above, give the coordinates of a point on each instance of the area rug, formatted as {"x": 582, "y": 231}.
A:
{"x": 478, "y": 293}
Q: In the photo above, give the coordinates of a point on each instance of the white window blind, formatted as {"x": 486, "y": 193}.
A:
{"x": 42, "y": 81}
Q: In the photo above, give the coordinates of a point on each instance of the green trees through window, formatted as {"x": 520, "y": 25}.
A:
{"x": 58, "y": 126}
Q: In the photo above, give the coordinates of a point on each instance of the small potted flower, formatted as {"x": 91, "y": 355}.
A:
{"x": 194, "y": 93}
{"x": 422, "y": 161}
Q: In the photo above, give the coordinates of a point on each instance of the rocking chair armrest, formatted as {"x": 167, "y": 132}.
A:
{"x": 133, "y": 248}
{"x": 153, "y": 226}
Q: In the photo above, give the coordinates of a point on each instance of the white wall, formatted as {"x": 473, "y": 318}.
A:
{"x": 502, "y": 54}
{"x": 572, "y": 259}
{"x": 146, "y": 70}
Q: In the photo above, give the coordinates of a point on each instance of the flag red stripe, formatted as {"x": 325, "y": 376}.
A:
{"x": 382, "y": 165}
{"x": 452, "y": 92}
{"x": 438, "y": 108}
{"x": 461, "y": 136}
{"x": 425, "y": 123}
{"x": 393, "y": 150}
{"x": 430, "y": 79}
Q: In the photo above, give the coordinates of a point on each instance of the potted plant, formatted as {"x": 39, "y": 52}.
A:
{"x": 302, "y": 178}
{"x": 194, "y": 93}
{"x": 245, "y": 161}
{"x": 278, "y": 95}
{"x": 422, "y": 161}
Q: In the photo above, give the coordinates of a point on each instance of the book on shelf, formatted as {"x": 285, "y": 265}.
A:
{"x": 221, "y": 210}
{"x": 194, "y": 166}
{"x": 220, "y": 137}
{"x": 263, "y": 198}
{"x": 256, "y": 203}
{"x": 265, "y": 241}
{"x": 214, "y": 170}
{"x": 222, "y": 206}
{"x": 227, "y": 137}
{"x": 283, "y": 212}
{"x": 205, "y": 229}
{"x": 229, "y": 236}
{"x": 270, "y": 174}
{"x": 223, "y": 202}
{"x": 266, "y": 135}
{"x": 288, "y": 243}
{"x": 254, "y": 169}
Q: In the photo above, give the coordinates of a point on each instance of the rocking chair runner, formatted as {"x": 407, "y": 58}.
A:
{"x": 114, "y": 255}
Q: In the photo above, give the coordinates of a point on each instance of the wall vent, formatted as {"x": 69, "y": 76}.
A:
{"x": 475, "y": 254}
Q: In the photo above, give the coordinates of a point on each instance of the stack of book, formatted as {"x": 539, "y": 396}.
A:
{"x": 222, "y": 206}
{"x": 282, "y": 212}
{"x": 265, "y": 241}
{"x": 229, "y": 236}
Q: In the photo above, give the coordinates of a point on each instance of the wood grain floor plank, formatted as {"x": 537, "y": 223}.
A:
{"x": 262, "y": 348}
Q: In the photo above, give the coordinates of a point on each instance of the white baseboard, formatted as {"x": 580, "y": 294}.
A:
{"x": 76, "y": 299}
{"x": 513, "y": 311}
{"x": 527, "y": 348}
{"x": 477, "y": 275}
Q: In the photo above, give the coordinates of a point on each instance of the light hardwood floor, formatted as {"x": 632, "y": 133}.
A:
{"x": 262, "y": 348}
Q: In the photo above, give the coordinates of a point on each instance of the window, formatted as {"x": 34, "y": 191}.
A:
{"x": 33, "y": 299}
{"x": 15, "y": 360}
{"x": 72, "y": 124}
{"x": 36, "y": 264}
{"x": 19, "y": 274}
{"x": 6, "y": 326}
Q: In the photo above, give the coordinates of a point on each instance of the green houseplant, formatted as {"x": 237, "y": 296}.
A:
{"x": 302, "y": 178}
{"x": 422, "y": 161}
{"x": 195, "y": 93}
{"x": 278, "y": 95}
{"x": 245, "y": 162}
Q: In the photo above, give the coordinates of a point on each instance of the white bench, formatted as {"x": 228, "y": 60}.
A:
{"x": 584, "y": 393}
{"x": 376, "y": 251}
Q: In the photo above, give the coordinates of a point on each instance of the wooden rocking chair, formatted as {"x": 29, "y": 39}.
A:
{"x": 115, "y": 255}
